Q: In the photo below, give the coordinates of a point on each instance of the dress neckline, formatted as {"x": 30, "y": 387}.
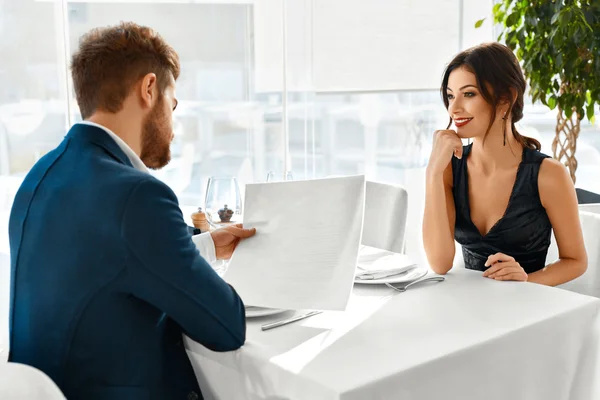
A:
{"x": 510, "y": 198}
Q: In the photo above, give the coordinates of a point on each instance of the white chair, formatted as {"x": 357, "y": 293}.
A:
{"x": 384, "y": 224}
{"x": 592, "y": 207}
{"x": 19, "y": 381}
{"x": 459, "y": 261}
{"x": 4, "y": 305}
{"x": 589, "y": 282}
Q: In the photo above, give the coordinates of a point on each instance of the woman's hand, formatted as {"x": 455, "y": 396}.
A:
{"x": 446, "y": 143}
{"x": 504, "y": 268}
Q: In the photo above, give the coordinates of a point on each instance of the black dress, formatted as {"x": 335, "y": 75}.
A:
{"x": 524, "y": 230}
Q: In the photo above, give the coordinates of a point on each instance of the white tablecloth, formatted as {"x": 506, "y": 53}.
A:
{"x": 466, "y": 338}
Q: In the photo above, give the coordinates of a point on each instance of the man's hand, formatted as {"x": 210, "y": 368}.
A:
{"x": 504, "y": 268}
{"x": 226, "y": 239}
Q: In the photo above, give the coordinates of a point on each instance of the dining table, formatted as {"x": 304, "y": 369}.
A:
{"x": 468, "y": 337}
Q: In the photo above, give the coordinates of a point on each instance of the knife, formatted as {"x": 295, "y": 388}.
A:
{"x": 282, "y": 322}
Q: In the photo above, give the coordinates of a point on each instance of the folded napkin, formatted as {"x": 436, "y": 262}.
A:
{"x": 384, "y": 274}
{"x": 367, "y": 255}
{"x": 387, "y": 264}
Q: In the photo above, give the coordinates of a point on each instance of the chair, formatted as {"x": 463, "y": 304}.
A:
{"x": 589, "y": 282}
{"x": 590, "y": 207}
{"x": 587, "y": 197}
{"x": 19, "y": 381}
{"x": 384, "y": 224}
{"x": 4, "y": 305}
{"x": 458, "y": 261}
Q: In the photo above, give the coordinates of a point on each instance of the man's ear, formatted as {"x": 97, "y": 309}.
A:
{"x": 148, "y": 90}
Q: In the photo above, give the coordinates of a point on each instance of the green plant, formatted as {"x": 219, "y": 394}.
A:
{"x": 558, "y": 44}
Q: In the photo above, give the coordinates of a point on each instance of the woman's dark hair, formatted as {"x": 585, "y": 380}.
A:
{"x": 497, "y": 71}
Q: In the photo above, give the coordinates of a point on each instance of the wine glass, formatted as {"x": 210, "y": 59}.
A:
{"x": 223, "y": 202}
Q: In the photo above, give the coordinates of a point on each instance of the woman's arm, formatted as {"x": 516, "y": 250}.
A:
{"x": 557, "y": 194}
{"x": 438, "y": 221}
{"x": 439, "y": 216}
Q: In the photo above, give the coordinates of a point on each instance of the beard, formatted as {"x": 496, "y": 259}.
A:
{"x": 157, "y": 134}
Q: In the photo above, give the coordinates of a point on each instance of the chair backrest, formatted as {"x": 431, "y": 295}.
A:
{"x": 589, "y": 282}
{"x": 4, "y": 305}
{"x": 458, "y": 261}
{"x": 587, "y": 197}
{"x": 553, "y": 250}
{"x": 591, "y": 207}
{"x": 19, "y": 381}
{"x": 384, "y": 224}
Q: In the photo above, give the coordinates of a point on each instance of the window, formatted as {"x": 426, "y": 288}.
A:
{"x": 315, "y": 88}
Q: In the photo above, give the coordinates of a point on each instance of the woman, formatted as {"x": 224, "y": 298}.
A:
{"x": 499, "y": 197}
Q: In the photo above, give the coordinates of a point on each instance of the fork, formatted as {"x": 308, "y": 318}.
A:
{"x": 403, "y": 288}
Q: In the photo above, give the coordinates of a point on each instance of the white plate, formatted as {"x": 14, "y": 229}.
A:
{"x": 408, "y": 276}
{"x": 252, "y": 312}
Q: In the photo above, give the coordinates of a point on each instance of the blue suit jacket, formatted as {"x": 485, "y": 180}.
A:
{"x": 105, "y": 278}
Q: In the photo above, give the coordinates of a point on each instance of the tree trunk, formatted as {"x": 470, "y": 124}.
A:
{"x": 564, "y": 143}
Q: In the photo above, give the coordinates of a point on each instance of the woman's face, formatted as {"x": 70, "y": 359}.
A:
{"x": 466, "y": 106}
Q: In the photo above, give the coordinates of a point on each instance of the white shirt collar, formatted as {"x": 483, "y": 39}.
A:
{"x": 133, "y": 157}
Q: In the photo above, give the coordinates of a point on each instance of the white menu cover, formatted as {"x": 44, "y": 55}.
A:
{"x": 305, "y": 250}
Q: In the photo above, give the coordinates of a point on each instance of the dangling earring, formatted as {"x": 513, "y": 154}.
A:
{"x": 504, "y": 129}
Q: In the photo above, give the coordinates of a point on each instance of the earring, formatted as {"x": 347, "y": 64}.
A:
{"x": 504, "y": 128}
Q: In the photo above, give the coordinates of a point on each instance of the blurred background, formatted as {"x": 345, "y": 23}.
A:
{"x": 296, "y": 88}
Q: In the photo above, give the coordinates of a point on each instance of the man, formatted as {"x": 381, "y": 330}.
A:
{"x": 105, "y": 276}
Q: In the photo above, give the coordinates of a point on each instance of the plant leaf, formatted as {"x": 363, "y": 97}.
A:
{"x": 479, "y": 23}
{"x": 500, "y": 16}
{"x": 590, "y": 111}
{"x": 568, "y": 112}
{"x": 557, "y": 43}
{"x": 559, "y": 62}
{"x": 520, "y": 53}
{"x": 512, "y": 19}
